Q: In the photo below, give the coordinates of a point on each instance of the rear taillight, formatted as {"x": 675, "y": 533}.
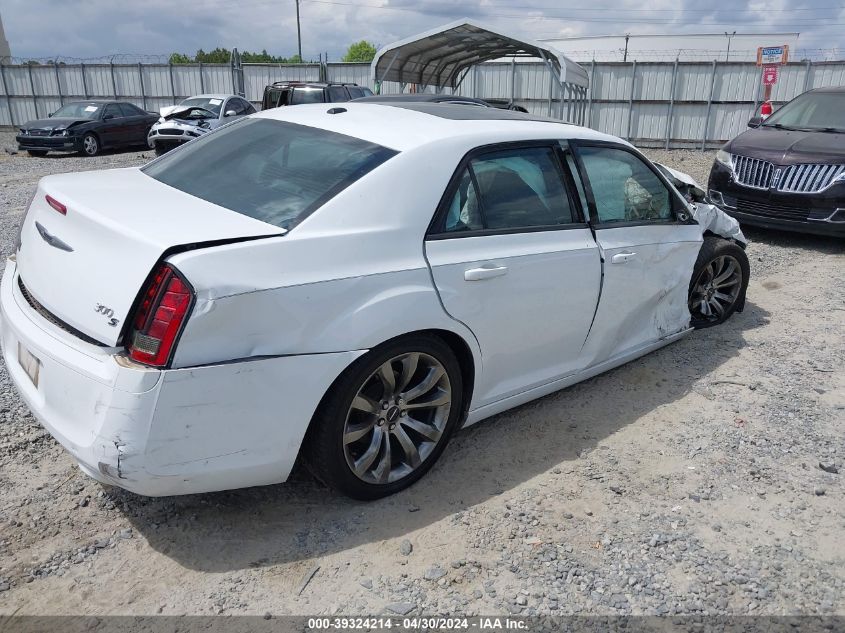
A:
{"x": 58, "y": 206}
{"x": 161, "y": 312}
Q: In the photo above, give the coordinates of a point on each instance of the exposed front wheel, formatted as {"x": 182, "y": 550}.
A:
{"x": 387, "y": 418}
{"x": 90, "y": 145}
{"x": 719, "y": 281}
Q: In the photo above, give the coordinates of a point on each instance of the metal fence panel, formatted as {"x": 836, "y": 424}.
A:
{"x": 708, "y": 102}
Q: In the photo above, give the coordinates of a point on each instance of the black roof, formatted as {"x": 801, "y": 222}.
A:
{"x": 309, "y": 84}
{"x": 460, "y": 112}
{"x": 423, "y": 97}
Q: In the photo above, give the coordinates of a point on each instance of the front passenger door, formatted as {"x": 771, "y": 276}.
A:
{"x": 114, "y": 129}
{"x": 649, "y": 243}
{"x": 513, "y": 259}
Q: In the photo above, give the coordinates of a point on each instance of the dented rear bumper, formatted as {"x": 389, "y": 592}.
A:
{"x": 162, "y": 432}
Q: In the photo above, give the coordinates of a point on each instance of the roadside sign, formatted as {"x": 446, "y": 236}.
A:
{"x": 770, "y": 75}
{"x": 771, "y": 55}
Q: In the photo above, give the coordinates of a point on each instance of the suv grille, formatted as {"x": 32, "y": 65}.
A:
{"x": 753, "y": 172}
{"x": 809, "y": 178}
{"x": 52, "y": 318}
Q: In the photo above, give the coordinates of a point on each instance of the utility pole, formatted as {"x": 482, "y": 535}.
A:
{"x": 298, "y": 32}
{"x": 729, "y": 36}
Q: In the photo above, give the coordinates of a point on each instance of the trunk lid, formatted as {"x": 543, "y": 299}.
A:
{"x": 88, "y": 265}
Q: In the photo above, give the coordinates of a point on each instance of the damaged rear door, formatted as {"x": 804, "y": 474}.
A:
{"x": 648, "y": 242}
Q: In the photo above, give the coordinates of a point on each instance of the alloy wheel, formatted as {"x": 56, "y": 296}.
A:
{"x": 90, "y": 145}
{"x": 397, "y": 418}
{"x": 716, "y": 289}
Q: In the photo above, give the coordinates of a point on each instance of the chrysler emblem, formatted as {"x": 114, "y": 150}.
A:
{"x": 51, "y": 239}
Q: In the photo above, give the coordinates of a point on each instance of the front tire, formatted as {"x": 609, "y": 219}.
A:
{"x": 387, "y": 418}
{"x": 90, "y": 144}
{"x": 719, "y": 282}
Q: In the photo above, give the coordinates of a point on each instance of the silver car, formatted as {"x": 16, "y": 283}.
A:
{"x": 194, "y": 117}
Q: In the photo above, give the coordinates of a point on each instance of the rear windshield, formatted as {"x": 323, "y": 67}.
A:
{"x": 273, "y": 171}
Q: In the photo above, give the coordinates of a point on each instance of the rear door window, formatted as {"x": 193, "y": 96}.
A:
{"x": 510, "y": 190}
{"x": 307, "y": 95}
{"x": 273, "y": 171}
{"x": 337, "y": 94}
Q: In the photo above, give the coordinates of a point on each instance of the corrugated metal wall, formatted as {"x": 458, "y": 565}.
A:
{"x": 666, "y": 104}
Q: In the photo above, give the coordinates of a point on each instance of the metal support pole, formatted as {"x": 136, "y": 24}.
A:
{"x": 551, "y": 89}
{"x": 113, "y": 81}
{"x": 757, "y": 92}
{"x": 58, "y": 84}
{"x": 513, "y": 79}
{"x": 84, "y": 83}
{"x": 592, "y": 86}
{"x": 141, "y": 79}
{"x": 172, "y": 85}
{"x": 671, "y": 103}
{"x": 202, "y": 83}
{"x": 709, "y": 106}
{"x": 631, "y": 98}
{"x": 32, "y": 90}
{"x": 474, "y": 81}
{"x": 807, "y": 70}
{"x": 298, "y": 33}
{"x": 6, "y": 92}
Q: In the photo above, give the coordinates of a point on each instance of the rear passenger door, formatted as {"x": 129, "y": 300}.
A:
{"x": 514, "y": 260}
{"x": 649, "y": 243}
{"x": 136, "y": 123}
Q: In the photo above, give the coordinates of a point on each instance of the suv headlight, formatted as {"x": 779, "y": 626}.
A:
{"x": 725, "y": 158}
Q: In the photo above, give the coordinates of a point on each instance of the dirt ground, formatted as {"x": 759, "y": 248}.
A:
{"x": 701, "y": 478}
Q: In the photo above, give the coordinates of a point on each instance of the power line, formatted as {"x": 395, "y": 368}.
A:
{"x": 792, "y": 23}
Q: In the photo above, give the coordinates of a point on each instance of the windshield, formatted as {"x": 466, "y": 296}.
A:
{"x": 811, "y": 111}
{"x": 211, "y": 104}
{"x": 79, "y": 111}
{"x": 273, "y": 171}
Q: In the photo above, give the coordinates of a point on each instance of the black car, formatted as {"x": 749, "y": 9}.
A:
{"x": 284, "y": 93}
{"x": 428, "y": 97}
{"x": 87, "y": 127}
{"x": 787, "y": 172}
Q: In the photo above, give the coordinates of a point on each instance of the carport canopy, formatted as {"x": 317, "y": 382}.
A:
{"x": 443, "y": 56}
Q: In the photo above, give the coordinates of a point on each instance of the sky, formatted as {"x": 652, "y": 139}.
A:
{"x": 97, "y": 28}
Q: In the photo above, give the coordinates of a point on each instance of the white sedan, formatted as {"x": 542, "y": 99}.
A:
{"x": 348, "y": 285}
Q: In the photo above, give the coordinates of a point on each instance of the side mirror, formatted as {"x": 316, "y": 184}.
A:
{"x": 49, "y": 115}
{"x": 230, "y": 113}
{"x": 106, "y": 117}
{"x": 755, "y": 121}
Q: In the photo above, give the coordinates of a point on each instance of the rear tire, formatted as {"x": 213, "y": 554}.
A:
{"x": 38, "y": 153}
{"x": 719, "y": 282}
{"x": 387, "y": 418}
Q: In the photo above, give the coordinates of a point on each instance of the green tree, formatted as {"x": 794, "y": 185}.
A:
{"x": 362, "y": 51}
{"x": 180, "y": 58}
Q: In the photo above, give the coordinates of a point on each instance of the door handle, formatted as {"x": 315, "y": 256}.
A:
{"x": 622, "y": 258}
{"x": 485, "y": 272}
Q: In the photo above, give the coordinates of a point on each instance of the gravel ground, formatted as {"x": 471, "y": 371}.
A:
{"x": 701, "y": 479}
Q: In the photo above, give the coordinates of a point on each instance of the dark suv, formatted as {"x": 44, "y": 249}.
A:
{"x": 787, "y": 172}
{"x": 284, "y": 93}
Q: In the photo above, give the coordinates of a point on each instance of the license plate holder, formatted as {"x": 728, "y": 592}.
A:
{"x": 29, "y": 363}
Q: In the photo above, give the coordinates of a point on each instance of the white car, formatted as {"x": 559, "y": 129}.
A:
{"x": 345, "y": 284}
{"x": 194, "y": 117}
